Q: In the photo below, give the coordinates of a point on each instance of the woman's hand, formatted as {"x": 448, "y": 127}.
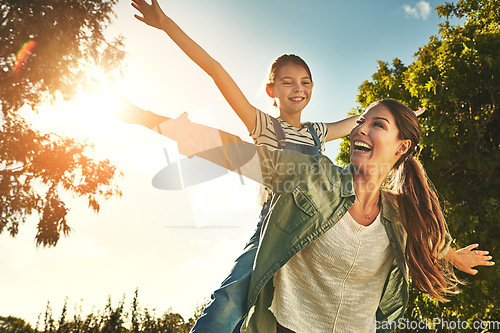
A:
{"x": 420, "y": 111}
{"x": 467, "y": 258}
{"x": 151, "y": 14}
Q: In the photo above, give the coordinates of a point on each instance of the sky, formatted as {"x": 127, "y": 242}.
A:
{"x": 176, "y": 247}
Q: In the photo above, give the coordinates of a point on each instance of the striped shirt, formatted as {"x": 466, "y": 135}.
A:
{"x": 263, "y": 132}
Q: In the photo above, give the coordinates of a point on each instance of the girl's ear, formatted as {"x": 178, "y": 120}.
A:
{"x": 403, "y": 147}
{"x": 270, "y": 90}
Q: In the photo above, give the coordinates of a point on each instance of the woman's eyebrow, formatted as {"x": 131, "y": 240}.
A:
{"x": 381, "y": 118}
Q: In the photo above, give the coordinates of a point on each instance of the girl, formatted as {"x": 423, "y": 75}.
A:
{"x": 339, "y": 244}
{"x": 290, "y": 85}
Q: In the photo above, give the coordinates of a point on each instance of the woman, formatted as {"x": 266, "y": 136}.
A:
{"x": 338, "y": 259}
{"x": 339, "y": 244}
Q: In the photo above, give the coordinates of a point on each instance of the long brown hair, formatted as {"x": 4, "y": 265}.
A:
{"x": 420, "y": 212}
{"x": 281, "y": 61}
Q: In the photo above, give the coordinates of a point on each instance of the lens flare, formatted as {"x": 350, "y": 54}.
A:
{"x": 22, "y": 55}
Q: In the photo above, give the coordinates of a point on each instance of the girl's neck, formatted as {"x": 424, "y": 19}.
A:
{"x": 292, "y": 119}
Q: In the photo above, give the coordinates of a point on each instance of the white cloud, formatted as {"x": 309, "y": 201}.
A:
{"x": 421, "y": 10}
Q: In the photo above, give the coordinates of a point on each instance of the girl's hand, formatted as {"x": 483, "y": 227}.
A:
{"x": 467, "y": 258}
{"x": 151, "y": 14}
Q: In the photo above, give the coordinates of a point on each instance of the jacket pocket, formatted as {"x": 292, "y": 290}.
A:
{"x": 294, "y": 210}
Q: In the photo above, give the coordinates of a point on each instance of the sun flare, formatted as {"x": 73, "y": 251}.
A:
{"x": 88, "y": 116}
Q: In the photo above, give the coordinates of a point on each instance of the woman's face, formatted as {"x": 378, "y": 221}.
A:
{"x": 375, "y": 145}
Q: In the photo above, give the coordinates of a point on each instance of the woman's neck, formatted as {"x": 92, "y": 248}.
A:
{"x": 367, "y": 187}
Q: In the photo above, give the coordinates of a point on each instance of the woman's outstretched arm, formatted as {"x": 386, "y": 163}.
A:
{"x": 154, "y": 16}
{"x": 467, "y": 258}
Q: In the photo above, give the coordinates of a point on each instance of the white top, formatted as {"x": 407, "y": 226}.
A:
{"x": 335, "y": 283}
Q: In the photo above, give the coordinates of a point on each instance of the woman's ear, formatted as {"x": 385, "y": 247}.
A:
{"x": 403, "y": 147}
{"x": 270, "y": 90}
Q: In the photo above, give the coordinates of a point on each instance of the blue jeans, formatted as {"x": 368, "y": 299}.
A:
{"x": 227, "y": 309}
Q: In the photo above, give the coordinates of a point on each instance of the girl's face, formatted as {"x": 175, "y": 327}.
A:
{"x": 375, "y": 143}
{"x": 292, "y": 88}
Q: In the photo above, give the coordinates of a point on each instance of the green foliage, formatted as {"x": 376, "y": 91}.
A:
{"x": 14, "y": 325}
{"x": 47, "y": 49}
{"x": 456, "y": 75}
{"x": 111, "y": 319}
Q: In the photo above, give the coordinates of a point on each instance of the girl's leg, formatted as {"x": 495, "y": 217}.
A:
{"x": 228, "y": 305}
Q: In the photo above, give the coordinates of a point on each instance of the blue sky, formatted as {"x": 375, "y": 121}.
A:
{"x": 135, "y": 242}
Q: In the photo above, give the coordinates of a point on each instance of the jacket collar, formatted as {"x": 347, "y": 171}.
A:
{"x": 390, "y": 208}
{"x": 388, "y": 200}
{"x": 346, "y": 181}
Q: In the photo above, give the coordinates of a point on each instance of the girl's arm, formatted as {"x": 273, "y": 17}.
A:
{"x": 467, "y": 258}
{"x": 155, "y": 17}
{"x": 341, "y": 128}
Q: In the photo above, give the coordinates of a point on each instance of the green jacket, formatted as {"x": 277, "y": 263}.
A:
{"x": 311, "y": 194}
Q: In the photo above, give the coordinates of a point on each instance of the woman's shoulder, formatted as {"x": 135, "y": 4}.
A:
{"x": 390, "y": 204}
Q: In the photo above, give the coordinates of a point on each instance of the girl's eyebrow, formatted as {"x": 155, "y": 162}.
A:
{"x": 291, "y": 78}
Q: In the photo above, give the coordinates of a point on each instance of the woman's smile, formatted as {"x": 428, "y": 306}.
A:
{"x": 375, "y": 139}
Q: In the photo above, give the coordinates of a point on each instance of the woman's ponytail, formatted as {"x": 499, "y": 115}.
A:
{"x": 424, "y": 222}
{"x": 420, "y": 213}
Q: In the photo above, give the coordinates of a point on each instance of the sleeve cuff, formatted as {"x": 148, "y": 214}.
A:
{"x": 257, "y": 124}
{"x": 446, "y": 247}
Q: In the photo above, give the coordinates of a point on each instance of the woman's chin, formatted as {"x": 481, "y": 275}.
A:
{"x": 359, "y": 159}
{"x": 359, "y": 165}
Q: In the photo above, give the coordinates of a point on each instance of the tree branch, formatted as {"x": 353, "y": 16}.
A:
{"x": 453, "y": 167}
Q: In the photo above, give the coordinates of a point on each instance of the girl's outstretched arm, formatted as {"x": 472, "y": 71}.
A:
{"x": 341, "y": 128}
{"x": 154, "y": 16}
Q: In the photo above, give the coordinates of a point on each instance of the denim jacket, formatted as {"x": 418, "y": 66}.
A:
{"x": 311, "y": 195}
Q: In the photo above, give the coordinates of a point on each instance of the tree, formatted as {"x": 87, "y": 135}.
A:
{"x": 111, "y": 319}
{"x": 47, "y": 50}
{"x": 13, "y": 324}
{"x": 456, "y": 75}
